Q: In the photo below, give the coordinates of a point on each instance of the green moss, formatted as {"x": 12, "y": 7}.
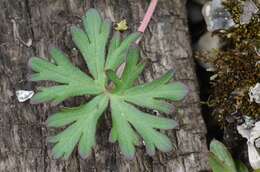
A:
{"x": 241, "y": 35}
{"x": 236, "y": 68}
{"x": 236, "y": 72}
{"x": 235, "y": 9}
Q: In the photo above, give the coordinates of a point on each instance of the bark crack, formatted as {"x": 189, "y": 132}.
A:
{"x": 27, "y": 5}
{"x": 42, "y": 132}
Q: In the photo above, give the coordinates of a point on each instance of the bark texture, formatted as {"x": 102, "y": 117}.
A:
{"x": 31, "y": 27}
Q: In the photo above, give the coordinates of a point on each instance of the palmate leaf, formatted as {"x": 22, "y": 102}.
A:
{"x": 129, "y": 125}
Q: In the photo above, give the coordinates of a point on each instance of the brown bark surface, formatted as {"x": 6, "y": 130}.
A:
{"x": 23, "y": 146}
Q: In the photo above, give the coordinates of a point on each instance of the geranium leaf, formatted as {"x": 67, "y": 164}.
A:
{"x": 129, "y": 124}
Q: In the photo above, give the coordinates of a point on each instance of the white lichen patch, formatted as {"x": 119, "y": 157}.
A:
{"x": 254, "y": 93}
{"x": 23, "y": 95}
{"x": 252, "y": 135}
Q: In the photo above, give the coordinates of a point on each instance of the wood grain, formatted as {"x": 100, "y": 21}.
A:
{"x": 47, "y": 23}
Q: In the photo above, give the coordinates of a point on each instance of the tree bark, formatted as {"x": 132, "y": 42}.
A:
{"x": 23, "y": 146}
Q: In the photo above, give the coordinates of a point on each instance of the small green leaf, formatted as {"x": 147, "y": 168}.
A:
{"x": 92, "y": 23}
{"x": 114, "y": 43}
{"x": 118, "y": 55}
{"x": 221, "y": 156}
{"x": 132, "y": 69}
{"x": 217, "y": 165}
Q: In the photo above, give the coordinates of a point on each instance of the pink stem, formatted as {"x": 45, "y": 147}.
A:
{"x": 148, "y": 15}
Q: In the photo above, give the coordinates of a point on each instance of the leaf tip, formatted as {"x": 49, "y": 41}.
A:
{"x": 167, "y": 148}
{"x": 172, "y": 72}
{"x": 129, "y": 156}
{"x": 74, "y": 31}
{"x": 111, "y": 138}
{"x": 57, "y": 156}
{"x": 84, "y": 155}
{"x": 150, "y": 151}
{"x": 48, "y": 122}
{"x": 173, "y": 124}
{"x": 34, "y": 101}
{"x": 92, "y": 10}
{"x": 184, "y": 90}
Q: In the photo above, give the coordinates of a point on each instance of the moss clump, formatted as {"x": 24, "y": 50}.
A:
{"x": 241, "y": 36}
{"x": 236, "y": 68}
{"x": 235, "y": 9}
{"x": 236, "y": 73}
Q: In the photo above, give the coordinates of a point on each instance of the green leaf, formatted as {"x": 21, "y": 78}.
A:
{"x": 119, "y": 130}
{"x": 114, "y": 43}
{"x": 145, "y": 124}
{"x": 92, "y": 42}
{"x": 129, "y": 125}
{"x": 132, "y": 69}
{"x": 82, "y": 130}
{"x": 75, "y": 82}
{"x": 117, "y": 53}
{"x": 221, "y": 158}
{"x": 149, "y": 95}
{"x": 217, "y": 165}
